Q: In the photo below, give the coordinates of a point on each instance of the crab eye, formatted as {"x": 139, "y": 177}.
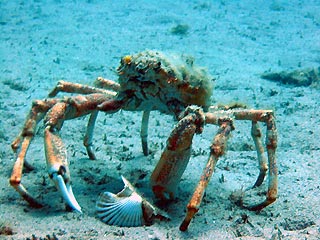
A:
{"x": 127, "y": 59}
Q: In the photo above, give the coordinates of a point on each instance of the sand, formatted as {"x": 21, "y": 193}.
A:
{"x": 45, "y": 41}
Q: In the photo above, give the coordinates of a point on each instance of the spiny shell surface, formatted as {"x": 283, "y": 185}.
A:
{"x": 163, "y": 81}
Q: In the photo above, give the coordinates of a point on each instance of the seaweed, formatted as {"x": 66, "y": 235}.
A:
{"x": 180, "y": 29}
{"x": 303, "y": 77}
{"x": 14, "y": 84}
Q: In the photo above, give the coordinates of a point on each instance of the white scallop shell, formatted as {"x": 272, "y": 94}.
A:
{"x": 127, "y": 208}
{"x": 123, "y": 209}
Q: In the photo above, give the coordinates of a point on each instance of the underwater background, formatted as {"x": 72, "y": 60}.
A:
{"x": 238, "y": 42}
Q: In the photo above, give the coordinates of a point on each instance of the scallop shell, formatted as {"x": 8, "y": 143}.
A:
{"x": 127, "y": 208}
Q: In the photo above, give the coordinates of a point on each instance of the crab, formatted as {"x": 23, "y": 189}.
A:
{"x": 148, "y": 81}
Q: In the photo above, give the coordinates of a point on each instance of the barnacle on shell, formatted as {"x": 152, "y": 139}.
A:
{"x": 174, "y": 78}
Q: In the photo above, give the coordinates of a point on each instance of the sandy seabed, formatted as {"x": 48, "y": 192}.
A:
{"x": 45, "y": 41}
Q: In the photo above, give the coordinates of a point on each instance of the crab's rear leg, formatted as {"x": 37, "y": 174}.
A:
{"x": 217, "y": 150}
{"x": 271, "y": 145}
{"x": 70, "y": 87}
{"x": 176, "y": 155}
{"x": 107, "y": 84}
{"x": 144, "y": 132}
{"x": 87, "y": 140}
{"x": 257, "y": 139}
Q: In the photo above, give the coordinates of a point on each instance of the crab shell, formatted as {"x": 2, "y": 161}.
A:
{"x": 164, "y": 82}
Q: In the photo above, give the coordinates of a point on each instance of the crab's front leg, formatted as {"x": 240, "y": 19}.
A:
{"x": 217, "y": 150}
{"x": 56, "y": 154}
{"x": 103, "y": 86}
{"x": 176, "y": 155}
{"x": 21, "y": 144}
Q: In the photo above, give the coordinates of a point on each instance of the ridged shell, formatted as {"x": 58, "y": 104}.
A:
{"x": 123, "y": 209}
{"x": 127, "y": 208}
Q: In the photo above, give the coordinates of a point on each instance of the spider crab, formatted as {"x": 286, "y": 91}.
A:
{"x": 148, "y": 81}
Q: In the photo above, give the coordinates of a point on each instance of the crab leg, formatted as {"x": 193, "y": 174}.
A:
{"x": 107, "y": 84}
{"x": 217, "y": 150}
{"x": 36, "y": 114}
{"x": 266, "y": 116}
{"x": 271, "y": 143}
{"x": 256, "y": 136}
{"x": 16, "y": 175}
{"x": 69, "y": 87}
{"x": 58, "y": 170}
{"x": 87, "y": 140}
{"x": 176, "y": 155}
{"x": 22, "y": 143}
{"x": 57, "y": 111}
{"x": 56, "y": 154}
{"x": 144, "y": 132}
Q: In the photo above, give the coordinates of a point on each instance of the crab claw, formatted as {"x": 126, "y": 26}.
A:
{"x": 66, "y": 192}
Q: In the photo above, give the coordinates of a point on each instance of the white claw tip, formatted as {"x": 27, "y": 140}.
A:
{"x": 66, "y": 192}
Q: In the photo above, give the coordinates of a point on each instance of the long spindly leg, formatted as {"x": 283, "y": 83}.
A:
{"x": 271, "y": 143}
{"x": 266, "y": 116}
{"x": 263, "y": 167}
{"x": 176, "y": 155}
{"x": 69, "y": 87}
{"x": 217, "y": 149}
{"x": 55, "y": 150}
{"x": 79, "y": 105}
{"x": 56, "y": 156}
{"x": 107, "y": 84}
{"x": 16, "y": 175}
{"x": 21, "y": 145}
{"x": 144, "y": 132}
{"x": 35, "y": 115}
{"x": 87, "y": 140}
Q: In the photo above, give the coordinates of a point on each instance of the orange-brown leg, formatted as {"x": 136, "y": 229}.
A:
{"x": 21, "y": 145}
{"x": 263, "y": 167}
{"x": 69, "y": 87}
{"x": 56, "y": 156}
{"x": 107, "y": 84}
{"x": 217, "y": 149}
{"x": 16, "y": 175}
{"x": 55, "y": 150}
{"x": 176, "y": 155}
{"x": 266, "y": 116}
{"x": 57, "y": 112}
{"x": 271, "y": 144}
